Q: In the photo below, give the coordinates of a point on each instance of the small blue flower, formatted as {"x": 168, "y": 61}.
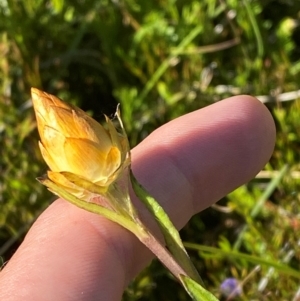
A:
{"x": 231, "y": 287}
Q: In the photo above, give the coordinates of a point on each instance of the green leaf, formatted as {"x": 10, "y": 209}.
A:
{"x": 260, "y": 203}
{"x": 169, "y": 231}
{"x": 196, "y": 291}
{"x": 167, "y": 62}
{"x": 216, "y": 252}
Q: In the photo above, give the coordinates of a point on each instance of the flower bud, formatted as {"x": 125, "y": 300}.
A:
{"x": 73, "y": 142}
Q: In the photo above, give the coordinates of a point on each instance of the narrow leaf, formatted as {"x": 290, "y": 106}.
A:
{"x": 260, "y": 203}
{"x": 217, "y": 253}
{"x": 196, "y": 291}
{"x": 169, "y": 231}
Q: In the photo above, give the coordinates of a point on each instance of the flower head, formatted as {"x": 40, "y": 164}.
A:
{"x": 73, "y": 142}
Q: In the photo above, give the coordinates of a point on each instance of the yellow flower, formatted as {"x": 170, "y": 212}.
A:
{"x": 73, "y": 142}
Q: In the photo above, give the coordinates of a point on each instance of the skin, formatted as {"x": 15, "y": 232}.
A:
{"x": 187, "y": 164}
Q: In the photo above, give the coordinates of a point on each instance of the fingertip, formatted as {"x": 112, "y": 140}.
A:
{"x": 200, "y": 157}
{"x": 255, "y": 126}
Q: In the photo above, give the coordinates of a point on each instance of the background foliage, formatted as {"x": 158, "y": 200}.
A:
{"x": 161, "y": 59}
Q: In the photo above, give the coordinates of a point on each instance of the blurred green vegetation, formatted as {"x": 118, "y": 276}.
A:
{"x": 161, "y": 59}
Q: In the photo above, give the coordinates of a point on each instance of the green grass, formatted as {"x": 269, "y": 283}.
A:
{"x": 162, "y": 59}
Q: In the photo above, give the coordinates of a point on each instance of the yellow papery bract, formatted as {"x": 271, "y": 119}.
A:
{"x": 73, "y": 142}
{"x": 65, "y": 183}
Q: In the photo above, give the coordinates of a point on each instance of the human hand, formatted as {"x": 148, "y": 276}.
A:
{"x": 187, "y": 164}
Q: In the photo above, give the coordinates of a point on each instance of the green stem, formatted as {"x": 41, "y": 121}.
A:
{"x": 165, "y": 257}
{"x": 166, "y": 63}
{"x": 260, "y": 203}
{"x": 252, "y": 19}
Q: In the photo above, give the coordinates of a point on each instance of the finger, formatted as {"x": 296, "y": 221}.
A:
{"x": 200, "y": 157}
{"x": 188, "y": 164}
